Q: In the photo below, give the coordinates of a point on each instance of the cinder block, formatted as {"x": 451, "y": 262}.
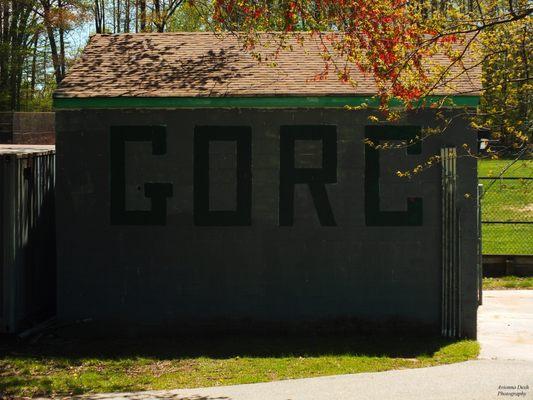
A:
{"x": 181, "y": 272}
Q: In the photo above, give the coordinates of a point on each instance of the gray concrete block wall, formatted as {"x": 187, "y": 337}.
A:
{"x": 181, "y": 274}
{"x": 27, "y": 127}
{"x": 6, "y": 127}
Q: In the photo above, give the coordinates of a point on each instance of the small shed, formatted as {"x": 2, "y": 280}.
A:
{"x": 200, "y": 188}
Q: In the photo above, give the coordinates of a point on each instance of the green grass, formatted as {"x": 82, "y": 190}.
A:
{"x": 493, "y": 168}
{"x": 58, "y": 367}
{"x": 507, "y": 200}
{"x": 507, "y": 239}
{"x": 508, "y": 282}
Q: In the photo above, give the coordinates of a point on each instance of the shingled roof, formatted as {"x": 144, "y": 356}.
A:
{"x": 195, "y": 64}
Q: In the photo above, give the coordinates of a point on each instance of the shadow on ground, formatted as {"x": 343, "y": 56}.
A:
{"x": 223, "y": 346}
{"x": 63, "y": 356}
{"x": 149, "y": 396}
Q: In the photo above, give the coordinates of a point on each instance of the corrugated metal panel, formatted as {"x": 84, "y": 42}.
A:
{"x": 27, "y": 232}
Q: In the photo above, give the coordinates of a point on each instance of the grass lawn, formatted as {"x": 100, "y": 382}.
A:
{"x": 58, "y": 367}
{"x": 507, "y": 239}
{"x": 508, "y": 282}
{"x": 507, "y": 200}
{"x": 493, "y": 168}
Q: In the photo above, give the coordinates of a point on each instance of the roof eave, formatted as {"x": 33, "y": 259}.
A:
{"x": 322, "y": 101}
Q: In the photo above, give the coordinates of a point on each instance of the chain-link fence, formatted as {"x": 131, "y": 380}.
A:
{"x": 507, "y": 215}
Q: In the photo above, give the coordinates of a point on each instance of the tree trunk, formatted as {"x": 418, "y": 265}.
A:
{"x": 136, "y": 16}
{"x": 97, "y": 17}
{"x": 158, "y": 20}
{"x": 142, "y": 9}
{"x": 52, "y": 41}
{"x": 103, "y": 16}
{"x": 127, "y": 7}
{"x": 62, "y": 58}
{"x": 55, "y": 56}
{"x": 34, "y": 64}
{"x": 13, "y": 57}
{"x": 4, "y": 53}
{"x": 119, "y": 28}
{"x": 114, "y": 11}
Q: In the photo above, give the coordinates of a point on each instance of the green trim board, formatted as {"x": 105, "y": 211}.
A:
{"x": 250, "y": 102}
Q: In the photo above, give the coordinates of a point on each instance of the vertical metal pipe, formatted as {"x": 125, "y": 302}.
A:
{"x": 448, "y": 243}
{"x": 451, "y": 279}
{"x": 442, "y": 246}
{"x": 453, "y": 237}
{"x": 479, "y": 245}
{"x": 458, "y": 269}
{"x": 444, "y": 242}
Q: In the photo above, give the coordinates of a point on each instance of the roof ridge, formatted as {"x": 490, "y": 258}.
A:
{"x": 235, "y": 34}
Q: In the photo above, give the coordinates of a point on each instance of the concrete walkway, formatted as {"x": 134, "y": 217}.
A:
{"x": 472, "y": 380}
{"x": 505, "y": 325}
{"x": 505, "y": 370}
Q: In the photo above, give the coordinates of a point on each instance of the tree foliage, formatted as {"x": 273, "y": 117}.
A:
{"x": 390, "y": 40}
{"x": 393, "y": 39}
{"x": 18, "y": 26}
{"x": 33, "y": 49}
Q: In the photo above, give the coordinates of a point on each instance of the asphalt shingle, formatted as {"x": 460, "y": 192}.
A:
{"x": 199, "y": 64}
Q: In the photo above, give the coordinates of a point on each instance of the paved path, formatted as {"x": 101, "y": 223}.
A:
{"x": 472, "y": 380}
{"x": 505, "y": 325}
{"x": 505, "y": 370}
